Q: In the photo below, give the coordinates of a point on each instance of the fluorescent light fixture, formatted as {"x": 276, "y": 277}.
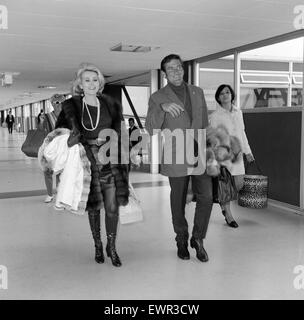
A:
{"x": 29, "y": 94}
{"x": 46, "y": 87}
{"x": 132, "y": 48}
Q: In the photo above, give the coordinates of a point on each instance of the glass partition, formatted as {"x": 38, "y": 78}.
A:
{"x": 139, "y": 97}
{"x": 271, "y": 76}
{"x": 48, "y": 106}
{"x": 26, "y": 117}
{"x": 212, "y": 74}
{"x": 18, "y": 119}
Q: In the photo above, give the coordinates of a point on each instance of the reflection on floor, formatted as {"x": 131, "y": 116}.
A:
{"x": 49, "y": 255}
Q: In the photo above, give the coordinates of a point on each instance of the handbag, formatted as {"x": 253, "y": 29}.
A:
{"x": 254, "y": 193}
{"x": 132, "y": 212}
{"x": 33, "y": 141}
{"x": 223, "y": 187}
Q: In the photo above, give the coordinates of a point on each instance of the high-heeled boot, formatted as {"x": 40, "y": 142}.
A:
{"x": 94, "y": 220}
{"x": 111, "y": 250}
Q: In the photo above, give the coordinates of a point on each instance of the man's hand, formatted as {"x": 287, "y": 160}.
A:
{"x": 174, "y": 109}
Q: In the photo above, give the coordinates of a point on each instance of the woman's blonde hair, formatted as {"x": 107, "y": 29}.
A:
{"x": 76, "y": 89}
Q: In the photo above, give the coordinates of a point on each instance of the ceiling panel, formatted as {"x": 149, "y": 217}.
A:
{"x": 46, "y": 40}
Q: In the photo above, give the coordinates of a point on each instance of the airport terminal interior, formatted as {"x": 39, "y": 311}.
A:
{"x": 50, "y": 254}
{"x": 254, "y": 46}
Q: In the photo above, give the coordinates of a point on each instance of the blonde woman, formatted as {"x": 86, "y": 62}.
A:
{"x": 87, "y": 113}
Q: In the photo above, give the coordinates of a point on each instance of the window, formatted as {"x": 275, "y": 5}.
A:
{"x": 264, "y": 78}
{"x": 271, "y": 76}
{"x": 214, "y": 73}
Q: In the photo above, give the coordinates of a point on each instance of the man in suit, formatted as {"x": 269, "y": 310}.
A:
{"x": 132, "y": 127}
{"x": 180, "y": 109}
{"x": 10, "y": 122}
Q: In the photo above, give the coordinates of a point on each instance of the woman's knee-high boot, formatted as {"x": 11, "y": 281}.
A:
{"x": 94, "y": 219}
{"x": 111, "y": 250}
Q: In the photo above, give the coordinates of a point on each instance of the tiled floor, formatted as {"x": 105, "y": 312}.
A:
{"x": 49, "y": 255}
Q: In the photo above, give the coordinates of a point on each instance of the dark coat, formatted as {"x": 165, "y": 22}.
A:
{"x": 70, "y": 117}
{"x": 158, "y": 119}
{"x": 9, "y": 120}
{"x": 132, "y": 142}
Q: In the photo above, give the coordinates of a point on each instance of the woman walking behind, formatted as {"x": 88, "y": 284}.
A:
{"x": 227, "y": 115}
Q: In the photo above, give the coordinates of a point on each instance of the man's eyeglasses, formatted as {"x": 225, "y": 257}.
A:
{"x": 174, "y": 70}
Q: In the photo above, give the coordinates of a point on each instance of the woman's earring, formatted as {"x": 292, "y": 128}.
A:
{"x": 82, "y": 93}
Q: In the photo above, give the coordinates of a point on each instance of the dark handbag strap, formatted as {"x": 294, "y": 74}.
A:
{"x": 248, "y": 164}
{"x": 223, "y": 176}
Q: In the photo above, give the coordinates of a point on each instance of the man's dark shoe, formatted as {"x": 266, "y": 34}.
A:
{"x": 201, "y": 253}
{"x": 182, "y": 250}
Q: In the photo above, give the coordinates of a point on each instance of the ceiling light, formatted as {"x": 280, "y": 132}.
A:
{"x": 29, "y": 94}
{"x": 46, "y": 87}
{"x": 132, "y": 48}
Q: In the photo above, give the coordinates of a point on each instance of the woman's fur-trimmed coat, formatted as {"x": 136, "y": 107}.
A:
{"x": 70, "y": 117}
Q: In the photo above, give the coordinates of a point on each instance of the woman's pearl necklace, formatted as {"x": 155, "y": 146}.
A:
{"x": 85, "y": 106}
